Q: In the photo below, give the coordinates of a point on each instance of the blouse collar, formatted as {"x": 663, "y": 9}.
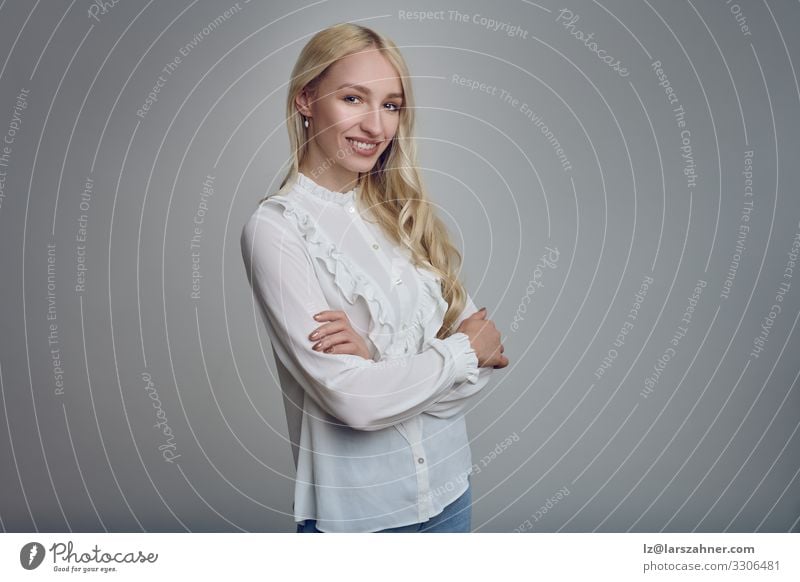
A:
{"x": 309, "y": 186}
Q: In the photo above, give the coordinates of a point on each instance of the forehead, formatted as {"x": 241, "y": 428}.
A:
{"x": 369, "y": 68}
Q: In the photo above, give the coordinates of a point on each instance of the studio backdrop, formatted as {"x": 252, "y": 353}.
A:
{"x": 621, "y": 178}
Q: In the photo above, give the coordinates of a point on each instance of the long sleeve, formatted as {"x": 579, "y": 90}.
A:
{"x": 361, "y": 393}
{"x": 457, "y": 399}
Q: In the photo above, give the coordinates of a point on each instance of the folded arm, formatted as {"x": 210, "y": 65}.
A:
{"x": 362, "y": 393}
{"x": 457, "y": 399}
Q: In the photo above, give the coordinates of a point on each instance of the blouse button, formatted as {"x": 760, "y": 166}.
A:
{"x": 351, "y": 210}
{"x": 375, "y": 246}
{"x": 420, "y": 460}
{"x": 398, "y": 281}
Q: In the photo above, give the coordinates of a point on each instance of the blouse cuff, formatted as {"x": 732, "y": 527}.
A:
{"x": 466, "y": 361}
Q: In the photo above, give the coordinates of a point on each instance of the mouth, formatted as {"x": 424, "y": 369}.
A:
{"x": 363, "y": 146}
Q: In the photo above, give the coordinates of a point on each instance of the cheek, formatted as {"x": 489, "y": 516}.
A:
{"x": 392, "y": 125}
{"x": 390, "y": 133}
{"x": 340, "y": 116}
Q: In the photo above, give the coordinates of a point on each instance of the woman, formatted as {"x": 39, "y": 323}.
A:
{"x": 378, "y": 346}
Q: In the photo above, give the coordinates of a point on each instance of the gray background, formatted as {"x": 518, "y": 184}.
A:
{"x": 713, "y": 447}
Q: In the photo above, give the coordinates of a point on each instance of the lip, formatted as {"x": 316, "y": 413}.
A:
{"x": 365, "y": 140}
{"x": 355, "y": 150}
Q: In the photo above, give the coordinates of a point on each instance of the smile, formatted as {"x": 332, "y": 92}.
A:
{"x": 364, "y": 147}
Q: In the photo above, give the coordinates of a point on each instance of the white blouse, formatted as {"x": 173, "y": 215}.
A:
{"x": 381, "y": 442}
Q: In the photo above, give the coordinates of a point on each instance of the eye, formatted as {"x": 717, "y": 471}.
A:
{"x": 395, "y": 105}
{"x": 349, "y": 96}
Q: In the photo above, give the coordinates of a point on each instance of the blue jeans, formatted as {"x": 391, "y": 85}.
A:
{"x": 453, "y": 518}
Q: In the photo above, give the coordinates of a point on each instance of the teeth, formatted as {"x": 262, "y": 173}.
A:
{"x": 362, "y": 146}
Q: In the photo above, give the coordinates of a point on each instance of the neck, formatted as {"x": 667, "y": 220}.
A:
{"x": 335, "y": 177}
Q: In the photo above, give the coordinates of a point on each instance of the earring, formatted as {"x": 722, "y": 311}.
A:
{"x": 305, "y": 121}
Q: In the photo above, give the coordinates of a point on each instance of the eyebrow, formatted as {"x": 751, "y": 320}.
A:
{"x": 366, "y": 90}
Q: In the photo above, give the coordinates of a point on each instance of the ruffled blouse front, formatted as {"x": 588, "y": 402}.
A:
{"x": 377, "y": 443}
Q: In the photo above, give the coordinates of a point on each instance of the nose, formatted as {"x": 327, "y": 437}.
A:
{"x": 371, "y": 122}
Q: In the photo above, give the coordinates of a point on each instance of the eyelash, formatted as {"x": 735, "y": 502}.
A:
{"x": 397, "y": 107}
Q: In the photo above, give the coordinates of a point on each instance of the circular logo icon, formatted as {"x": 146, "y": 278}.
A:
{"x": 31, "y": 555}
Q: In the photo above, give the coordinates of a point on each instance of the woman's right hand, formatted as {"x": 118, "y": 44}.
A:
{"x": 484, "y": 339}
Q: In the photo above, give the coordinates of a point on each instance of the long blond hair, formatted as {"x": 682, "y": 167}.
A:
{"x": 406, "y": 217}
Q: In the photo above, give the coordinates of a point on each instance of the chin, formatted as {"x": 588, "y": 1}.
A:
{"x": 361, "y": 166}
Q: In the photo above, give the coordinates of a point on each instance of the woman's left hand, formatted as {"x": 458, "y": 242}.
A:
{"x": 337, "y": 336}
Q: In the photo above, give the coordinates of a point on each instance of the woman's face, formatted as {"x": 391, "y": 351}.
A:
{"x": 353, "y": 115}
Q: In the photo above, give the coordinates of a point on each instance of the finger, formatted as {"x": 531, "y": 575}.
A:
{"x": 329, "y": 315}
{"x": 331, "y": 340}
{"x": 327, "y": 329}
{"x": 344, "y": 348}
{"x": 480, "y": 314}
{"x": 502, "y": 362}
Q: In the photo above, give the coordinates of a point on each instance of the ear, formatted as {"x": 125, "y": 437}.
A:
{"x": 303, "y": 102}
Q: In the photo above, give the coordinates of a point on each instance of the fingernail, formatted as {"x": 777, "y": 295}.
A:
{"x": 316, "y": 315}
{"x": 314, "y": 335}
{"x": 482, "y": 309}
